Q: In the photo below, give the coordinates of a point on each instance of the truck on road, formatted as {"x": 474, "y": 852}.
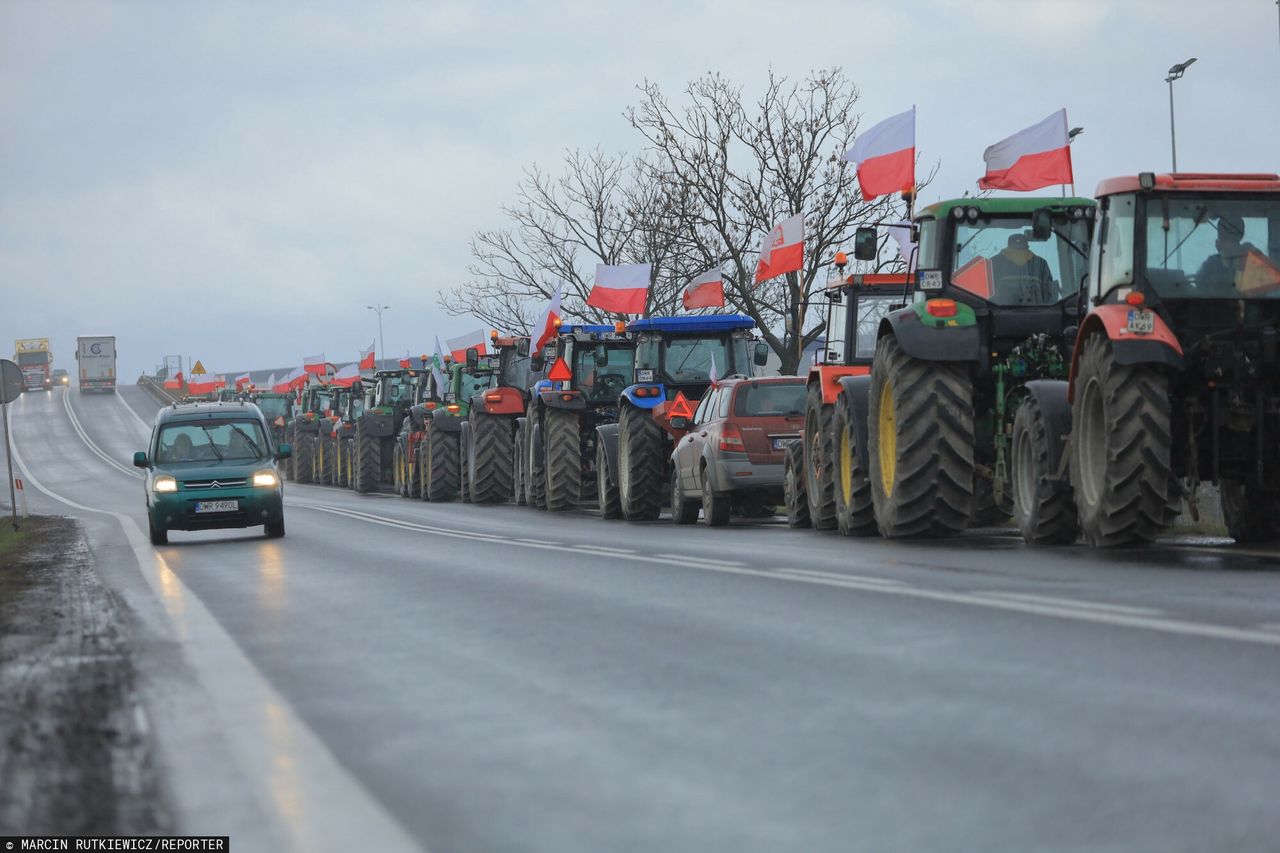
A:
{"x": 97, "y": 357}
{"x": 34, "y": 357}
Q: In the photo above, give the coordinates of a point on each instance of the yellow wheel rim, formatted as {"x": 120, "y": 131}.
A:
{"x": 888, "y": 439}
{"x": 846, "y": 467}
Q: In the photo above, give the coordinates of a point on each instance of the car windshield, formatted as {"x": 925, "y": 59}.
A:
{"x": 1000, "y": 260}
{"x": 211, "y": 441}
{"x": 30, "y": 358}
{"x": 769, "y": 399}
{"x": 1218, "y": 248}
{"x": 607, "y": 382}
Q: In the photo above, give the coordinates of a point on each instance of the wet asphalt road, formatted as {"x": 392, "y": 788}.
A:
{"x": 493, "y": 678}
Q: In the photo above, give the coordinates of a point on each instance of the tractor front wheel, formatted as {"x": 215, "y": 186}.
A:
{"x": 517, "y": 468}
{"x": 1045, "y": 511}
{"x": 606, "y": 487}
{"x": 641, "y": 464}
{"x": 490, "y": 458}
{"x": 302, "y": 452}
{"x": 855, "y": 513}
{"x": 564, "y": 459}
{"x": 368, "y": 460}
{"x": 442, "y": 466}
{"x": 793, "y": 485}
{"x": 819, "y": 484}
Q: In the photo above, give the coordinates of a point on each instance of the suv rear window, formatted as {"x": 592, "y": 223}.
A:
{"x": 769, "y": 399}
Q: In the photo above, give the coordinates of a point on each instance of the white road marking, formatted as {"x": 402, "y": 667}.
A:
{"x": 146, "y": 427}
{"x": 836, "y": 576}
{"x": 601, "y": 548}
{"x": 1073, "y": 602}
{"x": 685, "y": 558}
{"x": 319, "y": 805}
{"x": 97, "y": 451}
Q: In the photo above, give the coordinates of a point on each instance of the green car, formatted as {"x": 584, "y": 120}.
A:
{"x": 212, "y": 466}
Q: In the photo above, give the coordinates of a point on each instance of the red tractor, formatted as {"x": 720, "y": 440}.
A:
{"x": 489, "y": 433}
{"x": 1175, "y": 373}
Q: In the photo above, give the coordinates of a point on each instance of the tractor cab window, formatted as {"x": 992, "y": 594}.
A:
{"x": 274, "y": 407}
{"x": 1112, "y": 255}
{"x": 683, "y": 360}
{"x": 603, "y": 383}
{"x": 1200, "y": 247}
{"x": 470, "y": 384}
{"x": 999, "y": 259}
{"x": 871, "y": 310}
{"x": 742, "y": 363}
{"x": 394, "y": 389}
{"x": 926, "y": 252}
{"x": 323, "y": 402}
{"x": 515, "y": 369}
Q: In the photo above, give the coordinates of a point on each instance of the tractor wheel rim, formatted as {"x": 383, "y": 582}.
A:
{"x": 1093, "y": 451}
{"x": 845, "y": 472}
{"x": 887, "y": 438}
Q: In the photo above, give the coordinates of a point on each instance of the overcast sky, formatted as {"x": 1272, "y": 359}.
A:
{"x": 236, "y": 182}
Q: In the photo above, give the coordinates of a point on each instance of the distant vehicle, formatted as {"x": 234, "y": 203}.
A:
{"x": 34, "y": 357}
{"x": 61, "y": 377}
{"x": 211, "y": 466}
{"x": 97, "y": 357}
{"x": 731, "y": 459}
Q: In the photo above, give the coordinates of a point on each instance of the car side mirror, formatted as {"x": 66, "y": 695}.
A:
{"x": 602, "y": 355}
{"x": 761, "y": 354}
{"x": 140, "y": 460}
{"x": 865, "y": 243}
{"x": 678, "y": 422}
{"x": 473, "y": 358}
{"x": 522, "y": 347}
{"x": 1041, "y": 224}
{"x": 284, "y": 450}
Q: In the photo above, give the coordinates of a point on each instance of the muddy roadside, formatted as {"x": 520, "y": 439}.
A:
{"x": 76, "y": 751}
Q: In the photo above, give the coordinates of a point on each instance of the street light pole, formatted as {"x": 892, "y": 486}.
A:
{"x": 1071, "y": 137}
{"x": 1175, "y": 73}
{"x": 382, "y": 346}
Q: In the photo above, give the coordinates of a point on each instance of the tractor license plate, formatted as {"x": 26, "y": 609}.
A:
{"x": 217, "y": 506}
{"x": 1142, "y": 322}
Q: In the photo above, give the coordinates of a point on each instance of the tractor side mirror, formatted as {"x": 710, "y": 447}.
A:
{"x": 679, "y": 422}
{"x": 140, "y": 460}
{"x": 522, "y": 347}
{"x": 761, "y": 354}
{"x": 284, "y": 450}
{"x": 1041, "y": 224}
{"x": 602, "y": 355}
{"x": 537, "y": 363}
{"x": 865, "y": 243}
{"x": 473, "y": 358}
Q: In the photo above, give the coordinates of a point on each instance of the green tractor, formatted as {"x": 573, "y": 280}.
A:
{"x": 278, "y": 409}
{"x": 389, "y": 394}
{"x": 327, "y": 460}
{"x": 558, "y": 439}
{"x": 995, "y": 314}
{"x": 304, "y": 429}
{"x": 676, "y": 359}
{"x": 489, "y": 435}
{"x": 439, "y": 452}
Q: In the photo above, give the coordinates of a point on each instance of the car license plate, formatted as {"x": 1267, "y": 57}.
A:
{"x": 779, "y": 443}
{"x": 1142, "y": 322}
{"x": 217, "y": 506}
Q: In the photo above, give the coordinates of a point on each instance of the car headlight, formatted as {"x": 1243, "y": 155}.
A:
{"x": 266, "y": 479}
{"x": 164, "y": 483}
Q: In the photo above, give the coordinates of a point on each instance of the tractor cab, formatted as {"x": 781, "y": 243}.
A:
{"x": 686, "y": 354}
{"x": 469, "y": 378}
{"x": 596, "y": 360}
{"x": 392, "y": 391}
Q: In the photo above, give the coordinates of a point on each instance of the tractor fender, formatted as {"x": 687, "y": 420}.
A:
{"x": 855, "y": 395}
{"x": 445, "y": 422}
{"x": 607, "y": 435}
{"x": 828, "y": 377}
{"x": 499, "y": 401}
{"x": 573, "y": 401}
{"x": 629, "y": 394}
{"x": 1051, "y": 395}
{"x": 942, "y": 342}
{"x": 1112, "y": 320}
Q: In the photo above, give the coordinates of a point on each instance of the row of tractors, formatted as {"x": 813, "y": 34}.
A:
{"x": 1047, "y": 360}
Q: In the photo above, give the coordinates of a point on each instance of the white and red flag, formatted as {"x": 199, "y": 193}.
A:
{"x": 886, "y": 156}
{"x": 243, "y": 380}
{"x": 458, "y": 346}
{"x": 314, "y": 364}
{"x": 292, "y": 382}
{"x": 621, "y": 289}
{"x": 545, "y": 329}
{"x": 1039, "y": 156}
{"x": 366, "y": 358}
{"x": 271, "y": 382}
{"x": 782, "y": 250}
{"x": 347, "y": 376}
{"x": 705, "y": 291}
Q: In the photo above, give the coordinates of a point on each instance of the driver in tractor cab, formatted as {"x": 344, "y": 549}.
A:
{"x": 1021, "y": 276}
{"x": 1220, "y": 271}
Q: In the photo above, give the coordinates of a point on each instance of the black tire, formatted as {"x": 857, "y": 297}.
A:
{"x": 368, "y": 461}
{"x": 1252, "y": 515}
{"x": 303, "y": 452}
{"x": 1044, "y": 511}
{"x": 159, "y": 536}
{"x": 641, "y": 464}
{"x": 413, "y": 480}
{"x": 442, "y": 466}
{"x": 341, "y": 463}
{"x": 855, "y": 512}
{"x": 275, "y": 530}
{"x": 536, "y": 470}
{"x": 350, "y": 476}
{"x": 397, "y": 470}
{"x": 1120, "y": 448}
{"x": 325, "y": 455}
{"x": 490, "y": 457}
{"x": 683, "y": 510}
{"x": 921, "y": 444}
{"x": 464, "y": 465}
{"x": 517, "y": 468}
{"x": 819, "y": 482}
{"x": 564, "y": 459}
{"x": 987, "y": 511}
{"x": 424, "y": 487}
{"x": 607, "y": 495}
{"x": 793, "y": 486}
{"x": 715, "y": 505}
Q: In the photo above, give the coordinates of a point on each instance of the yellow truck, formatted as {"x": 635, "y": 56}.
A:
{"x": 35, "y": 359}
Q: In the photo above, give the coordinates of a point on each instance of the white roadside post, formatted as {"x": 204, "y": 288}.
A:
{"x": 11, "y": 385}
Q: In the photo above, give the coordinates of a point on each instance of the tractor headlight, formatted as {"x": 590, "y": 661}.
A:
{"x": 266, "y": 479}
{"x": 164, "y": 483}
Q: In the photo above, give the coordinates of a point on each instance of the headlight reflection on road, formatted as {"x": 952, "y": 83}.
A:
{"x": 271, "y": 581}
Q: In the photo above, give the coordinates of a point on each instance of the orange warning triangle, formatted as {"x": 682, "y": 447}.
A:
{"x": 974, "y": 277}
{"x": 560, "y": 371}
{"x": 1260, "y": 275}
{"x": 680, "y": 407}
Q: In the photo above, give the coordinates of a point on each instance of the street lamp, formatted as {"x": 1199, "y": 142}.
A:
{"x": 1071, "y": 137}
{"x": 1175, "y": 73}
{"x": 378, "y": 309}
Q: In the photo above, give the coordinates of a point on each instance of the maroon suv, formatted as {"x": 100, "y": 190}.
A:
{"x": 731, "y": 460}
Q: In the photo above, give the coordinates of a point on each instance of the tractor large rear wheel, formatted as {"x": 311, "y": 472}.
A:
{"x": 1252, "y": 515}
{"x": 412, "y": 480}
{"x": 442, "y": 466}
{"x": 490, "y": 458}
{"x": 1120, "y": 449}
{"x": 819, "y": 484}
{"x": 564, "y": 459}
{"x": 302, "y": 452}
{"x": 607, "y": 495}
{"x": 793, "y": 485}
{"x": 536, "y": 469}
{"x": 641, "y": 464}
{"x": 464, "y": 465}
{"x": 368, "y": 460}
{"x": 397, "y": 470}
{"x": 855, "y": 513}
{"x": 921, "y": 444}
{"x": 1045, "y": 511}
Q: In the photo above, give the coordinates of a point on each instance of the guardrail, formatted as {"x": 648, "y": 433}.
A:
{"x": 156, "y": 389}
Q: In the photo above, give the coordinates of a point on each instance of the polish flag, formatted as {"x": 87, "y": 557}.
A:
{"x": 405, "y": 363}
{"x": 296, "y": 379}
{"x": 347, "y": 376}
{"x": 782, "y": 249}
{"x": 458, "y": 346}
{"x": 206, "y": 387}
{"x": 705, "y": 291}
{"x": 314, "y": 364}
{"x": 366, "y": 358}
{"x": 220, "y": 381}
{"x": 886, "y": 156}
{"x": 175, "y": 383}
{"x": 242, "y": 380}
{"x": 1039, "y": 156}
{"x": 271, "y": 382}
{"x": 621, "y": 289}
{"x": 545, "y": 329}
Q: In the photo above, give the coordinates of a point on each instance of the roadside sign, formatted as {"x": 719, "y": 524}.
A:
{"x": 198, "y": 370}
{"x": 11, "y": 382}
